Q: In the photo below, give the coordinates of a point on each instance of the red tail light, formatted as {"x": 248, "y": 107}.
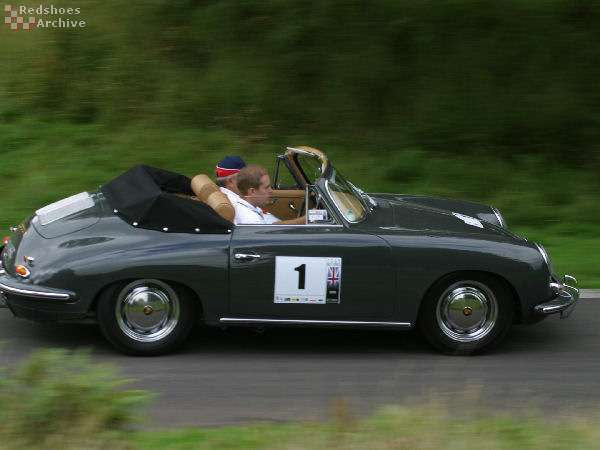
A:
{"x": 6, "y": 239}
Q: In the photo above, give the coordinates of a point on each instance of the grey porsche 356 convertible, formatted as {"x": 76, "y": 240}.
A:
{"x": 152, "y": 252}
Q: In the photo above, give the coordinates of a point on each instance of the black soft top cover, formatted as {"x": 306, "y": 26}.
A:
{"x": 144, "y": 197}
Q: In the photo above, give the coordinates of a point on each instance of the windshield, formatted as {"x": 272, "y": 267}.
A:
{"x": 311, "y": 167}
{"x": 345, "y": 196}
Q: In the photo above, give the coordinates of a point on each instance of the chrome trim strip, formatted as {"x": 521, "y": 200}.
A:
{"x": 36, "y": 294}
{"x": 314, "y": 322}
{"x": 499, "y": 217}
{"x": 296, "y": 225}
{"x": 545, "y": 255}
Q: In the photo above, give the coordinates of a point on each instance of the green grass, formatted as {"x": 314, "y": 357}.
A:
{"x": 61, "y": 399}
{"x": 42, "y": 162}
{"x": 393, "y": 427}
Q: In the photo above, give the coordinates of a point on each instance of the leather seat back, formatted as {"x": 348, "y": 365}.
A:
{"x": 208, "y": 192}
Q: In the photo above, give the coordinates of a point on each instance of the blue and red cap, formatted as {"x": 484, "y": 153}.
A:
{"x": 229, "y": 165}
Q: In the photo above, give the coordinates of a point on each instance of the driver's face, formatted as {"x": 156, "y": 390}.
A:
{"x": 261, "y": 194}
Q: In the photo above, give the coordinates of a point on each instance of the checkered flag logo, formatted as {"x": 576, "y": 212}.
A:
{"x": 14, "y": 20}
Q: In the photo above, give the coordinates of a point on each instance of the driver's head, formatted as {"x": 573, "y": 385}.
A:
{"x": 226, "y": 171}
{"x": 254, "y": 184}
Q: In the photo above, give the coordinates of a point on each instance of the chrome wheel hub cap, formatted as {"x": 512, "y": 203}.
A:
{"x": 147, "y": 310}
{"x": 467, "y": 311}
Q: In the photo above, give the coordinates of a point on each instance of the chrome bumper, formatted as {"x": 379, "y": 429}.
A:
{"x": 14, "y": 287}
{"x": 564, "y": 302}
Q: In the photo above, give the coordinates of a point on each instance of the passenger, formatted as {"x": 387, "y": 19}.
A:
{"x": 226, "y": 171}
{"x": 254, "y": 187}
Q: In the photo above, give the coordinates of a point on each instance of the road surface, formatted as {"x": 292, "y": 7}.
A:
{"x": 234, "y": 376}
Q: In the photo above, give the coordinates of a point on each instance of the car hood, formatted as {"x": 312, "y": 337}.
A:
{"x": 400, "y": 213}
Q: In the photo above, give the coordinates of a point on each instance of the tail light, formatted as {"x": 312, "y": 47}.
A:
{"x": 22, "y": 271}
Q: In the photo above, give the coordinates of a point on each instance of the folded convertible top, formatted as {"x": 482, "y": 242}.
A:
{"x": 146, "y": 197}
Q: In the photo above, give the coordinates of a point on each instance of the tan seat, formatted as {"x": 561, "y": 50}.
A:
{"x": 208, "y": 192}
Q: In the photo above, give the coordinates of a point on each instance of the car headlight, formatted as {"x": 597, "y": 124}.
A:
{"x": 545, "y": 255}
{"x": 499, "y": 217}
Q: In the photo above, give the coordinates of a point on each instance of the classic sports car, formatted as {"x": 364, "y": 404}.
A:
{"x": 153, "y": 251}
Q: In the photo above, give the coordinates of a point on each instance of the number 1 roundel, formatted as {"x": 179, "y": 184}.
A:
{"x": 307, "y": 280}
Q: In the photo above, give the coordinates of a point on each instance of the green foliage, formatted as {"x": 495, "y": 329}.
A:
{"x": 488, "y": 101}
{"x": 423, "y": 426}
{"x": 545, "y": 202}
{"x": 57, "y": 399}
{"x": 505, "y": 78}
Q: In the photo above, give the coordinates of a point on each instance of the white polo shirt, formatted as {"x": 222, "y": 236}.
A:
{"x": 247, "y": 214}
{"x": 232, "y": 196}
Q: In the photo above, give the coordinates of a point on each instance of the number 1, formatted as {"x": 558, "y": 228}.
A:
{"x": 301, "y": 275}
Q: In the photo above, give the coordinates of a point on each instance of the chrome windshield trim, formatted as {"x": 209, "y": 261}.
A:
{"x": 313, "y": 322}
{"x": 32, "y": 293}
{"x": 340, "y": 210}
{"x": 302, "y": 152}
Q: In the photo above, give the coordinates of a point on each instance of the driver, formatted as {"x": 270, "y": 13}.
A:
{"x": 254, "y": 186}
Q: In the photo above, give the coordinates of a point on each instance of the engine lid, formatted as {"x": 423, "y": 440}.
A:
{"x": 66, "y": 216}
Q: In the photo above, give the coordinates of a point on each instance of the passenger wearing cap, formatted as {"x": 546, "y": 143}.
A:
{"x": 226, "y": 171}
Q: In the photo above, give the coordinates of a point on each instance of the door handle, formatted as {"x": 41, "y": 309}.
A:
{"x": 246, "y": 256}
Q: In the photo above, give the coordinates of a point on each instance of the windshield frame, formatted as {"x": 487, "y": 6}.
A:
{"x": 329, "y": 175}
{"x": 353, "y": 191}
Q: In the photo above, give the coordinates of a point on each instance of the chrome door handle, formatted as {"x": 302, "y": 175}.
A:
{"x": 246, "y": 256}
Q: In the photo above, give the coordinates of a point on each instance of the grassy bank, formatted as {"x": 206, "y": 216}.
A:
{"x": 407, "y": 426}
{"x": 486, "y": 101}
{"x": 59, "y": 399}
{"x": 553, "y": 204}
{"x": 510, "y": 78}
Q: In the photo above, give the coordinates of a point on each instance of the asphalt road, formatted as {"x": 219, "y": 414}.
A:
{"x": 224, "y": 377}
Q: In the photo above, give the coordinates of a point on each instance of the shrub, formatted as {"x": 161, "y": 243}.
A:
{"x": 56, "y": 397}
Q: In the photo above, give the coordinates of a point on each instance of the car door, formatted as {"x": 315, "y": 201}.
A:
{"x": 313, "y": 271}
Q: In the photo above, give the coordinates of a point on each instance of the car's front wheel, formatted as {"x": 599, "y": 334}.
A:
{"x": 466, "y": 314}
{"x": 145, "y": 317}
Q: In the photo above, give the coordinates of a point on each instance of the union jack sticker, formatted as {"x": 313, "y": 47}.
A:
{"x": 334, "y": 280}
{"x": 333, "y": 276}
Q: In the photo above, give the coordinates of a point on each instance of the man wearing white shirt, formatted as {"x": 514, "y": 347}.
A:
{"x": 254, "y": 186}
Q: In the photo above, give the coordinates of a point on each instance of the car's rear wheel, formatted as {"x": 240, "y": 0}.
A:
{"x": 145, "y": 317}
{"x": 466, "y": 314}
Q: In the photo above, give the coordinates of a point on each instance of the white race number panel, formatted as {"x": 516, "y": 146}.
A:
{"x": 307, "y": 280}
